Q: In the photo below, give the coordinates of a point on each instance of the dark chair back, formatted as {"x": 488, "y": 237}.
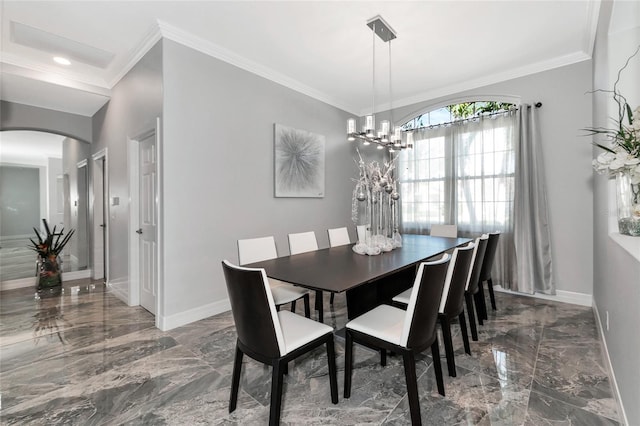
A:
{"x": 422, "y": 311}
{"x": 253, "y": 309}
{"x": 460, "y": 266}
{"x": 478, "y": 261}
{"x": 489, "y": 256}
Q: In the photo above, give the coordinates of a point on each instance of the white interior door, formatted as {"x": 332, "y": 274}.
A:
{"x": 99, "y": 224}
{"x": 148, "y": 223}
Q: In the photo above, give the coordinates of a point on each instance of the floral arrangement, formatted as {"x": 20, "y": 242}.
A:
{"x": 52, "y": 244}
{"x": 623, "y": 151}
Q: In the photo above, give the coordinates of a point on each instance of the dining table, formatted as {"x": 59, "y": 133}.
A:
{"x": 368, "y": 281}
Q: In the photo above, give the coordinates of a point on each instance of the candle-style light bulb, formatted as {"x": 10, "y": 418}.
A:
{"x": 369, "y": 126}
{"x": 397, "y": 136}
{"x": 351, "y": 129}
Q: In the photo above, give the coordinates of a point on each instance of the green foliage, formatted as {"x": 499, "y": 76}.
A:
{"x": 469, "y": 109}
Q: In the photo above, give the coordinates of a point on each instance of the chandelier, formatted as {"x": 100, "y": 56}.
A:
{"x": 387, "y": 135}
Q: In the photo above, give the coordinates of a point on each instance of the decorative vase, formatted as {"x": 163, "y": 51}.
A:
{"x": 49, "y": 276}
{"x": 628, "y": 203}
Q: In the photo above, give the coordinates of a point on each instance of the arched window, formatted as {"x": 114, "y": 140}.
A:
{"x": 461, "y": 169}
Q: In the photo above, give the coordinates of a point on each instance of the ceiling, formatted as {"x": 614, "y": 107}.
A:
{"x": 320, "y": 48}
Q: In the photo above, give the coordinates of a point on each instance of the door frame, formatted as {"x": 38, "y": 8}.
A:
{"x": 133, "y": 150}
{"x": 95, "y": 158}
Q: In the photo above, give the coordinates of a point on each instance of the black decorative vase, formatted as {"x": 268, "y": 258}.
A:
{"x": 49, "y": 277}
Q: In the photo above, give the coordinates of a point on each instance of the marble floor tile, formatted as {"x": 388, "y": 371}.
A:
{"x": 85, "y": 358}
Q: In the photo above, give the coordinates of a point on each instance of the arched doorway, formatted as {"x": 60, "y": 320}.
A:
{"x": 44, "y": 175}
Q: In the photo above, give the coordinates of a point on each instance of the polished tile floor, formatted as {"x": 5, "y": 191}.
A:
{"x": 87, "y": 359}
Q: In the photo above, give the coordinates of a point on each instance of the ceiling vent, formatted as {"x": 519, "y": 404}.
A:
{"x": 57, "y": 45}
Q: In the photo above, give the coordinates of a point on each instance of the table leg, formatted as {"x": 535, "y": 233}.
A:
{"x": 319, "y": 305}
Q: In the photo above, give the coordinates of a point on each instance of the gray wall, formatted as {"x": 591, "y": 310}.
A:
{"x": 616, "y": 271}
{"x": 20, "y": 200}
{"x": 24, "y": 117}
{"x": 567, "y": 156}
{"x": 218, "y": 171}
{"x": 74, "y": 151}
{"x": 136, "y": 102}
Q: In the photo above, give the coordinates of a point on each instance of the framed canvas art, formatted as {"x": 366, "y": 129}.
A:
{"x": 299, "y": 163}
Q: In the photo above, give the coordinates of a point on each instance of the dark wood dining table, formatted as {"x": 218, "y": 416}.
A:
{"x": 367, "y": 280}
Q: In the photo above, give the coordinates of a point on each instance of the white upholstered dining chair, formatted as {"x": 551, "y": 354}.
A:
{"x": 304, "y": 242}
{"x": 439, "y": 230}
{"x": 451, "y": 304}
{"x": 271, "y": 337}
{"x": 406, "y": 333}
{"x": 258, "y": 249}
{"x": 338, "y": 237}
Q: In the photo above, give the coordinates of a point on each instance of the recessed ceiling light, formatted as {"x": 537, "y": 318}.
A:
{"x": 62, "y": 61}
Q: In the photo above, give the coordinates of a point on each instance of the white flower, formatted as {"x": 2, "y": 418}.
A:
{"x": 616, "y": 164}
{"x": 606, "y": 158}
{"x": 599, "y": 167}
{"x": 631, "y": 161}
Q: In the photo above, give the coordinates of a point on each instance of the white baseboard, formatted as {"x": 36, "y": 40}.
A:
{"x": 120, "y": 289}
{"x": 76, "y": 275}
{"x": 19, "y": 283}
{"x": 31, "y": 281}
{"x": 614, "y": 382}
{"x": 563, "y": 296}
{"x": 169, "y": 322}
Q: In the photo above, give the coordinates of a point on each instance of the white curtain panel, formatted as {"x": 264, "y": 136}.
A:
{"x": 532, "y": 240}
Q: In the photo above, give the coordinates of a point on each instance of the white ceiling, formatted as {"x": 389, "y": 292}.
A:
{"x": 321, "y": 48}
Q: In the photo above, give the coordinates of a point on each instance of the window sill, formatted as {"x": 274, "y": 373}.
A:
{"x": 630, "y": 244}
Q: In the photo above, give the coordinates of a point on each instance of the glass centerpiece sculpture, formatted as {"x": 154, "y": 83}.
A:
{"x": 374, "y": 208}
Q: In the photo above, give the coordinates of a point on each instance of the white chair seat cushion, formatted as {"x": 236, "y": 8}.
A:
{"x": 298, "y": 330}
{"x": 383, "y": 322}
{"x": 284, "y": 293}
{"x": 404, "y": 296}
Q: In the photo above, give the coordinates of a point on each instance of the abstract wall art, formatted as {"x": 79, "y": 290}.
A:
{"x": 299, "y": 163}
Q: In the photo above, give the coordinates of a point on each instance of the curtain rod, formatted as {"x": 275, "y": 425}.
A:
{"x": 460, "y": 120}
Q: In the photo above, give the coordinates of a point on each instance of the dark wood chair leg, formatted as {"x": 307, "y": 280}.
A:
{"x": 331, "y": 361}
{"x": 493, "y": 299}
{"x": 383, "y": 357}
{"x": 307, "y": 309}
{"x": 482, "y": 306}
{"x": 276, "y": 392}
{"x": 293, "y": 306}
{"x": 412, "y": 387}
{"x": 437, "y": 366}
{"x": 235, "y": 381}
{"x": 472, "y": 317}
{"x": 465, "y": 335}
{"x": 448, "y": 345}
{"x": 348, "y": 363}
{"x": 478, "y": 307}
{"x": 319, "y": 306}
{"x": 331, "y": 298}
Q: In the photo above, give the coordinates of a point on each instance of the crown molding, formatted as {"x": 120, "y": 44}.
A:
{"x": 535, "y": 68}
{"x": 211, "y": 49}
{"x": 150, "y": 38}
{"x": 593, "y": 13}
